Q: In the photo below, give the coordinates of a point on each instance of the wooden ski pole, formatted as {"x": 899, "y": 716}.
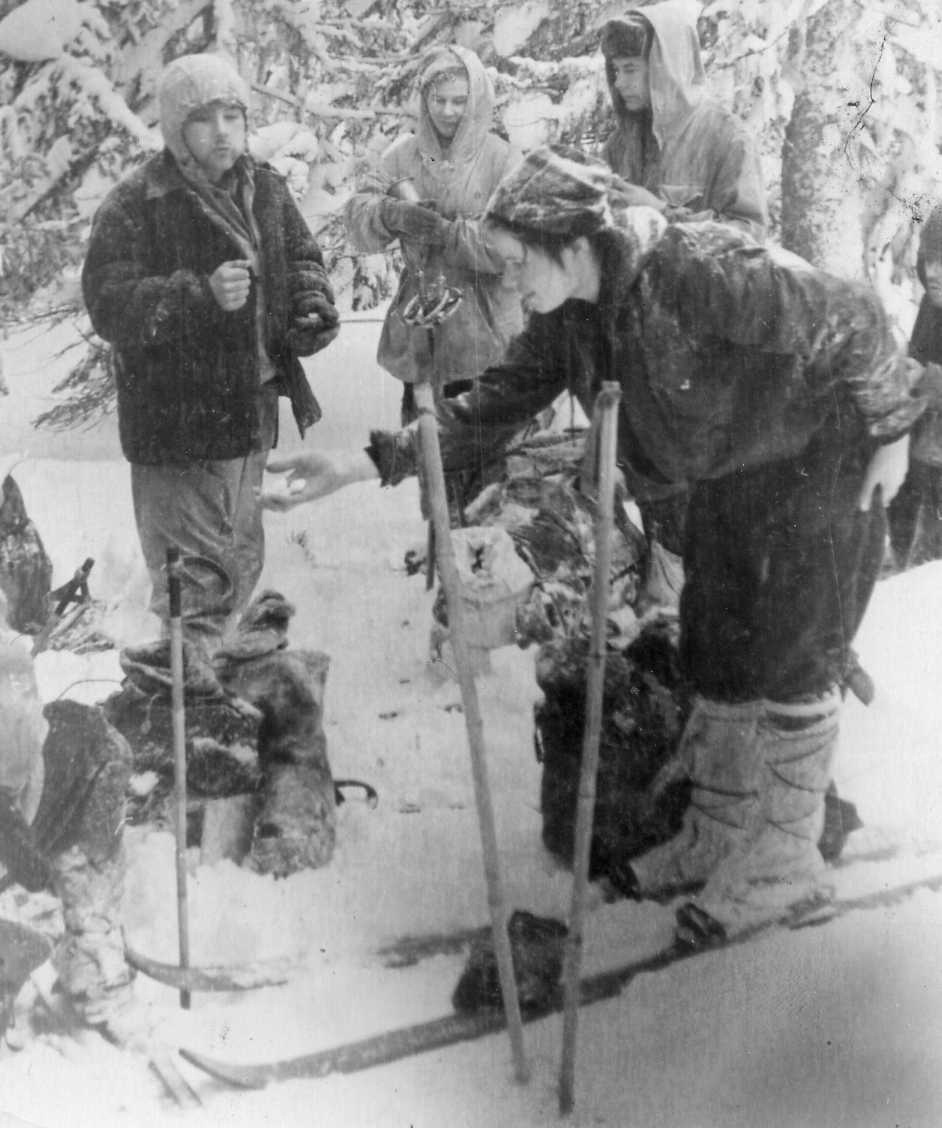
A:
{"x": 178, "y": 713}
{"x": 451, "y": 584}
{"x": 605, "y": 426}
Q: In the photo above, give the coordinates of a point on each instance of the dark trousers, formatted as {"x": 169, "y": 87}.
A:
{"x": 915, "y": 516}
{"x": 780, "y": 565}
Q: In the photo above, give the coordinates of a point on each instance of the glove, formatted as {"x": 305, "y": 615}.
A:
{"x": 930, "y": 384}
{"x": 307, "y": 335}
{"x": 413, "y": 222}
{"x": 314, "y": 325}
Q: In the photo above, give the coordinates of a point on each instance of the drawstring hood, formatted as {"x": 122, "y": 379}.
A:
{"x": 455, "y": 159}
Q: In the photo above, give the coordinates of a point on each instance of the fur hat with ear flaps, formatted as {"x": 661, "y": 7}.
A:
{"x": 564, "y": 195}
{"x": 187, "y": 85}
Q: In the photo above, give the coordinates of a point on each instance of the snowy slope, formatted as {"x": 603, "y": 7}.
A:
{"x": 839, "y": 1025}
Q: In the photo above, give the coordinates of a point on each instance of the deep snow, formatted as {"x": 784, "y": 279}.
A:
{"x": 837, "y": 1026}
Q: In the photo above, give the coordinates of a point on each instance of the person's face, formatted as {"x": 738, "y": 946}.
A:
{"x": 543, "y": 282}
{"x": 631, "y": 82}
{"x": 933, "y": 276}
{"x": 215, "y": 135}
{"x": 447, "y": 101}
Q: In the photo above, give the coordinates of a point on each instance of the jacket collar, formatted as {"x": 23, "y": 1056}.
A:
{"x": 162, "y": 175}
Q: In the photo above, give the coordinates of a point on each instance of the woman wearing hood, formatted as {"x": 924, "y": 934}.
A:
{"x": 695, "y": 157}
{"x": 205, "y": 279}
{"x": 452, "y": 163}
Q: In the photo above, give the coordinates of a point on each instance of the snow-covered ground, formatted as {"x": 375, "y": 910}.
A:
{"x": 833, "y": 1026}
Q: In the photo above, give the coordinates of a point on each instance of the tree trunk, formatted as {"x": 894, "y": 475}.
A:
{"x": 826, "y": 158}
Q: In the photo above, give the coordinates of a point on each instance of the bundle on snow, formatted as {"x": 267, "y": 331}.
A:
{"x": 645, "y": 707}
{"x": 25, "y": 567}
{"x": 295, "y": 825}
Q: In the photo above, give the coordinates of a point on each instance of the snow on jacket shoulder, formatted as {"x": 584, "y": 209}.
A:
{"x": 188, "y": 372}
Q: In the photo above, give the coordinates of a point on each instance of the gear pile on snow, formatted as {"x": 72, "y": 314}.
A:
{"x": 254, "y": 727}
{"x": 645, "y": 708}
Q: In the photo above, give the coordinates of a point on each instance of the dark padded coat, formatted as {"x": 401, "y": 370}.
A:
{"x": 187, "y": 371}
{"x": 730, "y": 355}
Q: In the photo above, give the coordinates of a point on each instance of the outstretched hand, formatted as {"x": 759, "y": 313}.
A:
{"x": 886, "y": 471}
{"x": 309, "y": 475}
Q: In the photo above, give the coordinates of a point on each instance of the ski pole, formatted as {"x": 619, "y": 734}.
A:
{"x": 178, "y": 714}
{"x": 451, "y": 584}
{"x": 430, "y": 308}
{"x": 605, "y": 427}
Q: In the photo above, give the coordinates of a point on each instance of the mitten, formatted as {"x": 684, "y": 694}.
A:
{"x": 414, "y": 223}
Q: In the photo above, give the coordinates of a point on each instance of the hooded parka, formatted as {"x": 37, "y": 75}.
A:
{"x": 687, "y": 149}
{"x": 458, "y": 181}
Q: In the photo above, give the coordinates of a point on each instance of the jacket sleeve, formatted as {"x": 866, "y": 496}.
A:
{"x": 481, "y": 421}
{"x": 363, "y": 211}
{"x": 464, "y": 244}
{"x": 306, "y": 273}
{"x": 736, "y": 195}
{"x": 128, "y": 306}
{"x": 768, "y": 299}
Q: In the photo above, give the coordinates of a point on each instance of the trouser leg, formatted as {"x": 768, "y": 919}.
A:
{"x": 207, "y": 509}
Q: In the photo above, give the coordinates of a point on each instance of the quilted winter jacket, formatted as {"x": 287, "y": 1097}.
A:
{"x": 689, "y": 151}
{"x": 729, "y": 355}
{"x": 459, "y": 182}
{"x": 187, "y": 371}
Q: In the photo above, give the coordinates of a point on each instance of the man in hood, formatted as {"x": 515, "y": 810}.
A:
{"x": 695, "y": 157}
{"x": 207, "y": 282}
{"x": 793, "y": 439}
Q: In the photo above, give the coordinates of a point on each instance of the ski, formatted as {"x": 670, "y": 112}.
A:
{"x": 452, "y": 1029}
{"x": 409, "y": 950}
{"x": 234, "y": 977}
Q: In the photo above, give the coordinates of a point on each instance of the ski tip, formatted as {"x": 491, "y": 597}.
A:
{"x": 244, "y": 1077}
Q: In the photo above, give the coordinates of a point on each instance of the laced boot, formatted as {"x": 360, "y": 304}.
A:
{"x": 781, "y": 864}
{"x": 719, "y": 750}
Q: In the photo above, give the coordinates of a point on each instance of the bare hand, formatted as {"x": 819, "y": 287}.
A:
{"x": 230, "y": 284}
{"x": 309, "y": 475}
{"x": 886, "y": 471}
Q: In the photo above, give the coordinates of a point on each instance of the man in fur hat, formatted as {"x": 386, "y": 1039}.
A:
{"x": 774, "y": 388}
{"x": 206, "y": 280}
{"x": 696, "y": 158}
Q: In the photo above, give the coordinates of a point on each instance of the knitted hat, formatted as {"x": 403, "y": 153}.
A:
{"x": 560, "y": 194}
{"x": 187, "y": 85}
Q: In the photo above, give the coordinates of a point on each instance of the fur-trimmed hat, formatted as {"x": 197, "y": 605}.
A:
{"x": 627, "y": 38}
{"x": 560, "y": 195}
